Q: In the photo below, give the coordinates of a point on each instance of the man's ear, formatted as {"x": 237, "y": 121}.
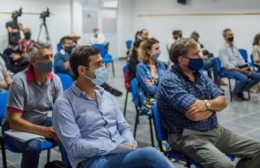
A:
{"x": 80, "y": 69}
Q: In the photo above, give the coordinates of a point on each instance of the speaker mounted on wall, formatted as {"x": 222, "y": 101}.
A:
{"x": 182, "y": 2}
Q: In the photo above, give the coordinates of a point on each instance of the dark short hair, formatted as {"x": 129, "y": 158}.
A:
{"x": 224, "y": 33}
{"x": 175, "y": 32}
{"x": 80, "y": 56}
{"x": 63, "y": 39}
{"x": 194, "y": 34}
{"x": 181, "y": 48}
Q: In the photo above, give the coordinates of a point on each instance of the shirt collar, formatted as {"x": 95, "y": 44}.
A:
{"x": 78, "y": 92}
{"x": 30, "y": 75}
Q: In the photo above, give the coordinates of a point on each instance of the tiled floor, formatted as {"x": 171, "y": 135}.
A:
{"x": 241, "y": 117}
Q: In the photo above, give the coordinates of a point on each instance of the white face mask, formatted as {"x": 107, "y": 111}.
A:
{"x": 101, "y": 75}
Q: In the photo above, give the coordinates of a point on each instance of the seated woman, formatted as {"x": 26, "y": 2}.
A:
{"x": 5, "y": 78}
{"x": 148, "y": 72}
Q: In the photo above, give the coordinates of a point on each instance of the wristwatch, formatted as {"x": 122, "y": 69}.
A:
{"x": 208, "y": 104}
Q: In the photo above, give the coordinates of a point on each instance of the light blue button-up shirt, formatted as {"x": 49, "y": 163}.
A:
{"x": 230, "y": 57}
{"x": 88, "y": 127}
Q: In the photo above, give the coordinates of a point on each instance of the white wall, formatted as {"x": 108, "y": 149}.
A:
{"x": 209, "y": 27}
{"x": 126, "y": 26}
{"x": 59, "y": 23}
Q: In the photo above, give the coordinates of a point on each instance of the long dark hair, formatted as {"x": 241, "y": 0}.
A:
{"x": 136, "y": 45}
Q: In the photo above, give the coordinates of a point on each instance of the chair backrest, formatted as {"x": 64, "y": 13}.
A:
{"x": 252, "y": 60}
{"x": 125, "y": 69}
{"x": 102, "y": 49}
{"x": 59, "y": 47}
{"x": 160, "y": 132}
{"x": 243, "y": 52}
{"x": 66, "y": 80}
{"x": 3, "y": 103}
{"x": 129, "y": 44}
{"x": 134, "y": 90}
{"x": 127, "y": 77}
{"x": 218, "y": 65}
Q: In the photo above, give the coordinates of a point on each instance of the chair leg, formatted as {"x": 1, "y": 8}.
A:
{"x": 249, "y": 97}
{"x": 230, "y": 91}
{"x": 136, "y": 121}
{"x": 113, "y": 69}
{"x": 3, "y": 153}
{"x": 48, "y": 155}
{"x": 126, "y": 97}
{"x": 151, "y": 129}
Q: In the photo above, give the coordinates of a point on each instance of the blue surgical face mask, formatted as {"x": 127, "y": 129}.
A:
{"x": 195, "y": 64}
{"x": 156, "y": 55}
{"x": 101, "y": 75}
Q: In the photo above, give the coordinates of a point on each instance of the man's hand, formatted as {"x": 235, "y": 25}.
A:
{"x": 197, "y": 106}
{"x": 16, "y": 57}
{"x": 50, "y": 133}
{"x": 245, "y": 71}
{"x": 130, "y": 145}
{"x": 3, "y": 85}
{"x": 8, "y": 80}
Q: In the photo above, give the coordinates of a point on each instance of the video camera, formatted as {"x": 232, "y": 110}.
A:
{"x": 45, "y": 14}
{"x": 16, "y": 14}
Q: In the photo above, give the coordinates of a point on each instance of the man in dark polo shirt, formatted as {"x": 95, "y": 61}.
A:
{"x": 31, "y": 97}
{"x": 188, "y": 101}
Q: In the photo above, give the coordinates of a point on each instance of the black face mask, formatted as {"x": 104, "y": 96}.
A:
{"x": 27, "y": 36}
{"x": 230, "y": 39}
{"x": 68, "y": 49}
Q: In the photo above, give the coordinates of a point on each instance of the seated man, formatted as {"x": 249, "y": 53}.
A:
{"x": 62, "y": 64}
{"x": 61, "y": 58}
{"x": 209, "y": 61}
{"x": 188, "y": 101}
{"x": 32, "y": 94}
{"x": 91, "y": 126}
{"x": 234, "y": 65}
{"x": 27, "y": 43}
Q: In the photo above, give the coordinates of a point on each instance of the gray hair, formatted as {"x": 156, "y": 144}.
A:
{"x": 34, "y": 51}
{"x": 224, "y": 33}
{"x": 181, "y": 48}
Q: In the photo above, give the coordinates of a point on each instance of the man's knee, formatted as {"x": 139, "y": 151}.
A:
{"x": 149, "y": 153}
{"x": 33, "y": 147}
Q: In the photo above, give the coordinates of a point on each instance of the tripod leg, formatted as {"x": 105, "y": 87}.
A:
{"x": 40, "y": 32}
{"x": 47, "y": 33}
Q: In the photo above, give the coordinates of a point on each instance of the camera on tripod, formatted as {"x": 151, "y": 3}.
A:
{"x": 16, "y": 14}
{"x": 45, "y": 14}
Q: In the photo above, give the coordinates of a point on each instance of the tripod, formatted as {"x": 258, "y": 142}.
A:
{"x": 46, "y": 31}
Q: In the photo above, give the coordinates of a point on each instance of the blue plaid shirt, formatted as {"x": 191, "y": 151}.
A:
{"x": 176, "y": 93}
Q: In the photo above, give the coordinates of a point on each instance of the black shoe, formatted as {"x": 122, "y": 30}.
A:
{"x": 116, "y": 92}
{"x": 242, "y": 96}
{"x": 236, "y": 97}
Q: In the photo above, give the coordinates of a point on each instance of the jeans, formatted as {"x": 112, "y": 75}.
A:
{"x": 30, "y": 150}
{"x": 211, "y": 63}
{"x": 244, "y": 83}
{"x": 140, "y": 158}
